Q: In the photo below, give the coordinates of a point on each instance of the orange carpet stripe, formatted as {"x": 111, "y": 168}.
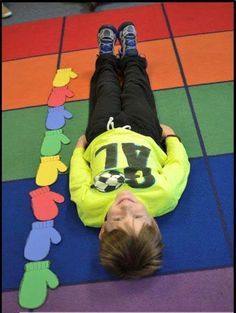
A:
{"x": 205, "y": 58}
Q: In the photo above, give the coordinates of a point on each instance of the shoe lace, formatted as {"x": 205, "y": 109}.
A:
{"x": 130, "y": 41}
{"x": 106, "y": 40}
{"x": 106, "y": 46}
{"x": 110, "y": 124}
{"x": 129, "y": 38}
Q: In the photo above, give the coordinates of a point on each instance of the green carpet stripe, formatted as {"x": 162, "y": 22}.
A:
{"x": 24, "y": 129}
{"x": 213, "y": 105}
{"x": 24, "y": 132}
{"x": 173, "y": 110}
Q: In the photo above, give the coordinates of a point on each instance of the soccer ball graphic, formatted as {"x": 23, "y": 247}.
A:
{"x": 108, "y": 181}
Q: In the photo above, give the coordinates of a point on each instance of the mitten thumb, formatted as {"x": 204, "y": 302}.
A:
{"x": 69, "y": 93}
{"x": 61, "y": 166}
{"x": 67, "y": 114}
{"x": 57, "y": 197}
{"x": 73, "y": 74}
{"x": 64, "y": 139}
{"x": 55, "y": 236}
{"x": 51, "y": 279}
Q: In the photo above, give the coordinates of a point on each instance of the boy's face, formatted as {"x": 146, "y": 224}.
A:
{"x": 126, "y": 210}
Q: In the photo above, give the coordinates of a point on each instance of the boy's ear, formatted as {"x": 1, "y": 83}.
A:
{"x": 101, "y": 231}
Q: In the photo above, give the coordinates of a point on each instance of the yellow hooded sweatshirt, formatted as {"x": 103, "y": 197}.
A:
{"x": 156, "y": 178}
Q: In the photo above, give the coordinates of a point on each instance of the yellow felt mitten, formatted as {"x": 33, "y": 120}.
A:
{"x": 63, "y": 76}
{"x": 48, "y": 170}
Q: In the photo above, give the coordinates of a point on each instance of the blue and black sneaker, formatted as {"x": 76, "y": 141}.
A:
{"x": 107, "y": 35}
{"x": 127, "y": 36}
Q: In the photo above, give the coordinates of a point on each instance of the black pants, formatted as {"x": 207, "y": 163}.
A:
{"x": 120, "y": 88}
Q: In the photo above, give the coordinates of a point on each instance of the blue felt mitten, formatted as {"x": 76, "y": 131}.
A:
{"x": 56, "y": 117}
{"x": 38, "y": 242}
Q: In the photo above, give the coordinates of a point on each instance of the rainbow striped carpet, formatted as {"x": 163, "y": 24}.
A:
{"x": 189, "y": 47}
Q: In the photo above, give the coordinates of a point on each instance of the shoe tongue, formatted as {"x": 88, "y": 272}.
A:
{"x": 106, "y": 48}
{"x": 131, "y": 52}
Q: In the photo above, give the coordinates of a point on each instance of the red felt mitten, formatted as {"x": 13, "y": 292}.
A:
{"x": 43, "y": 203}
{"x": 58, "y": 96}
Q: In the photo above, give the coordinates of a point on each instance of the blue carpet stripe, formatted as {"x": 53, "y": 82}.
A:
{"x": 200, "y": 245}
{"x": 224, "y": 183}
{"x": 209, "y": 171}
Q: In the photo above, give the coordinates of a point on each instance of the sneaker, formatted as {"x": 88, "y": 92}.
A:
{"x": 107, "y": 38}
{"x": 5, "y": 11}
{"x": 127, "y": 36}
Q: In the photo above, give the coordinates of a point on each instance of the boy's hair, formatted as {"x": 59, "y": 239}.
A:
{"x": 130, "y": 255}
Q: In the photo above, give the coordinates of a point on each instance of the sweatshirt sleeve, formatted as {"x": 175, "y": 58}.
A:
{"x": 80, "y": 174}
{"x": 176, "y": 168}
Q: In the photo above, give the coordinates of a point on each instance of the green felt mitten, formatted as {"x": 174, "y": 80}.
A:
{"x": 33, "y": 286}
{"x": 52, "y": 142}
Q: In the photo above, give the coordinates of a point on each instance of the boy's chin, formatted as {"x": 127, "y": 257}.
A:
{"x": 126, "y": 195}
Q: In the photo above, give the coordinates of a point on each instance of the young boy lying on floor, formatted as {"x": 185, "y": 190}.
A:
{"x": 127, "y": 168}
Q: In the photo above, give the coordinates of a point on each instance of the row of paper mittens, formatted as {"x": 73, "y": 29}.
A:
{"x": 37, "y": 275}
{"x": 50, "y": 160}
{"x": 51, "y": 164}
{"x": 44, "y": 207}
{"x": 56, "y": 112}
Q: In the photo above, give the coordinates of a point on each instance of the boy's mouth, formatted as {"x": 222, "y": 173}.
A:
{"x": 125, "y": 199}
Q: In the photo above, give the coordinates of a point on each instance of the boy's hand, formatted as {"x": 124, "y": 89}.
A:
{"x": 82, "y": 142}
{"x": 166, "y": 130}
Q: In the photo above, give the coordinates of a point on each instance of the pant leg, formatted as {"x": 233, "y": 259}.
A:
{"x": 105, "y": 91}
{"x": 137, "y": 98}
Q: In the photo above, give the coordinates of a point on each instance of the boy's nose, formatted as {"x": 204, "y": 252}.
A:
{"x": 127, "y": 210}
{"x": 125, "y": 206}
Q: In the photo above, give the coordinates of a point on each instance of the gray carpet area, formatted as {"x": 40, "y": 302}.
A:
{"x": 31, "y": 11}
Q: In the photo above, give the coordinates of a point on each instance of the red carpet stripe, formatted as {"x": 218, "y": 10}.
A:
{"x": 81, "y": 30}
{"x": 31, "y": 39}
{"x": 199, "y": 17}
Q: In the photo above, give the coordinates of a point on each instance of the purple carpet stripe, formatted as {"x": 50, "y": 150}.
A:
{"x": 201, "y": 291}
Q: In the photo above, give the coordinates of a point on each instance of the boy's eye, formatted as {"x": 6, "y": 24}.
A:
{"x": 138, "y": 216}
{"x": 116, "y": 219}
